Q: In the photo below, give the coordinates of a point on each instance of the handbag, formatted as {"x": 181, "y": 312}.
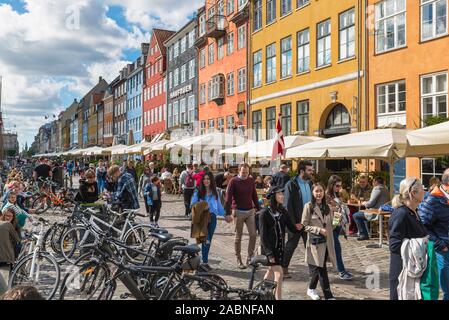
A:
{"x": 317, "y": 239}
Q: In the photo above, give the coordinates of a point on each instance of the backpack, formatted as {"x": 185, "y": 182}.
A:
{"x": 189, "y": 182}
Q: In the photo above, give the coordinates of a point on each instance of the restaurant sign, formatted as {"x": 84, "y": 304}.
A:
{"x": 181, "y": 91}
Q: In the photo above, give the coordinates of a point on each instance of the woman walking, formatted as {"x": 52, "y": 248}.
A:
{"x": 405, "y": 223}
{"x": 272, "y": 223}
{"x": 152, "y": 193}
{"x": 207, "y": 191}
{"x": 317, "y": 220}
{"x": 341, "y": 219}
{"x": 101, "y": 173}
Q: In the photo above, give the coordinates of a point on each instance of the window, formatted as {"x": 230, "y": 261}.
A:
{"x": 211, "y": 12}
{"x": 286, "y": 57}
{"x": 347, "y": 34}
{"x": 191, "y": 109}
{"x": 257, "y": 68}
{"x": 324, "y": 43}
{"x": 271, "y": 63}
{"x": 170, "y": 115}
{"x": 192, "y": 69}
{"x": 230, "y": 124}
{"x": 230, "y": 84}
{"x": 202, "y": 30}
{"x": 220, "y": 54}
{"x": 303, "y": 42}
{"x": 271, "y": 11}
{"x": 257, "y": 15}
{"x": 302, "y": 115}
{"x": 390, "y": 25}
{"x": 202, "y": 93}
{"x": 433, "y": 18}
{"x": 286, "y": 7}
{"x": 271, "y": 122}
{"x": 241, "y": 35}
{"x": 241, "y": 3}
{"x": 183, "y": 73}
{"x": 241, "y": 85}
{"x": 431, "y": 168}
{"x": 220, "y": 124}
{"x": 434, "y": 95}
{"x": 191, "y": 38}
{"x": 257, "y": 125}
{"x": 229, "y": 7}
{"x": 230, "y": 47}
{"x": 286, "y": 119}
{"x": 203, "y": 127}
{"x": 183, "y": 110}
{"x": 183, "y": 44}
{"x": 216, "y": 87}
{"x": 176, "y": 49}
{"x": 211, "y": 125}
{"x": 301, "y": 3}
{"x": 391, "y": 98}
{"x": 175, "y": 113}
{"x": 176, "y": 77}
{"x": 211, "y": 53}
{"x": 202, "y": 58}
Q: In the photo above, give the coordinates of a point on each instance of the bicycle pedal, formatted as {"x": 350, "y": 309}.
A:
{"x": 124, "y": 296}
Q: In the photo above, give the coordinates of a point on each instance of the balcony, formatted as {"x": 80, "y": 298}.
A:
{"x": 241, "y": 16}
{"x": 200, "y": 41}
{"x": 216, "y": 26}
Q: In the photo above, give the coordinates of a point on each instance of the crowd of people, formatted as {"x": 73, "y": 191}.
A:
{"x": 296, "y": 209}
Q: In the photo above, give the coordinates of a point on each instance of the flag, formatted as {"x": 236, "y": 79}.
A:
{"x": 279, "y": 145}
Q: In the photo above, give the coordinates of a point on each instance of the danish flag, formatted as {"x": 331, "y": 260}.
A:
{"x": 279, "y": 144}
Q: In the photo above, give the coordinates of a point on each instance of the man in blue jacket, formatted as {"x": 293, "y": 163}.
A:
{"x": 298, "y": 192}
{"x": 434, "y": 213}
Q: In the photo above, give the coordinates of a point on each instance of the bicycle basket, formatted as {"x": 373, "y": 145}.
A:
{"x": 192, "y": 263}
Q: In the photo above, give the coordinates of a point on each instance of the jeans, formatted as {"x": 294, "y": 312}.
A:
{"x": 188, "y": 193}
{"x": 362, "y": 224}
{"x": 205, "y": 247}
{"x": 443, "y": 272}
{"x": 291, "y": 245}
{"x": 337, "y": 245}
{"x": 101, "y": 185}
{"x": 155, "y": 211}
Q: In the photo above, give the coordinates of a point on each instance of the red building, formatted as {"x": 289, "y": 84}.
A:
{"x": 154, "y": 88}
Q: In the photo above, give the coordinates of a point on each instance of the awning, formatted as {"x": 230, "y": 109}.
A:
{"x": 138, "y": 148}
{"x": 210, "y": 140}
{"x": 429, "y": 141}
{"x": 92, "y": 151}
{"x": 157, "y": 146}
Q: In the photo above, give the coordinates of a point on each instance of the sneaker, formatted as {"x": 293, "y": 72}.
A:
{"x": 207, "y": 267}
{"x": 331, "y": 299}
{"x": 240, "y": 264}
{"x": 362, "y": 238}
{"x": 345, "y": 276}
{"x": 313, "y": 294}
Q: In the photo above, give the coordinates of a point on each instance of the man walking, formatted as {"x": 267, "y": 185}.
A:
{"x": 298, "y": 192}
{"x": 281, "y": 178}
{"x": 126, "y": 191}
{"x": 43, "y": 170}
{"x": 241, "y": 196}
{"x": 434, "y": 213}
{"x": 188, "y": 185}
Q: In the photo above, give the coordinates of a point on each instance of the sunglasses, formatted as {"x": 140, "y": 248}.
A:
{"x": 411, "y": 186}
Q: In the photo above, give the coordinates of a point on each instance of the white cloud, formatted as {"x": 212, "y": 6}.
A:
{"x": 47, "y": 49}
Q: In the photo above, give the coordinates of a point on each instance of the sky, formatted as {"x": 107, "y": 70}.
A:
{"x": 52, "y": 51}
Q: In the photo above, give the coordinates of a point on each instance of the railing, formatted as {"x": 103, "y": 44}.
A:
{"x": 216, "y": 26}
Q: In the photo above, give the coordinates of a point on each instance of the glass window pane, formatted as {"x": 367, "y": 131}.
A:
{"x": 441, "y": 81}
{"x": 442, "y": 105}
{"x": 427, "y": 85}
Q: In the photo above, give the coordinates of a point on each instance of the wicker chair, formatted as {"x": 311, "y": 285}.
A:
{"x": 168, "y": 185}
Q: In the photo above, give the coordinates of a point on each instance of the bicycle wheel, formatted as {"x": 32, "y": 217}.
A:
{"x": 41, "y": 204}
{"x": 70, "y": 241}
{"x": 138, "y": 238}
{"x": 40, "y": 271}
{"x": 205, "y": 287}
{"x": 90, "y": 281}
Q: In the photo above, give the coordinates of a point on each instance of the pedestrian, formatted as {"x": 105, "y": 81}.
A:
{"x": 130, "y": 168}
{"x": 198, "y": 176}
{"x": 341, "y": 219}
{"x": 259, "y": 183}
{"x": 57, "y": 174}
{"x": 9, "y": 238}
{"x": 22, "y": 293}
{"x": 317, "y": 220}
{"x": 379, "y": 196}
{"x": 101, "y": 172}
{"x": 359, "y": 193}
{"x": 434, "y": 213}
{"x": 188, "y": 184}
{"x": 153, "y": 170}
{"x": 175, "y": 176}
{"x": 143, "y": 180}
{"x": 88, "y": 190}
{"x": 405, "y": 223}
{"x": 70, "y": 167}
{"x": 20, "y": 216}
{"x": 42, "y": 171}
{"x": 281, "y": 178}
{"x": 267, "y": 182}
{"x": 153, "y": 195}
{"x": 298, "y": 192}
{"x": 241, "y": 196}
{"x": 273, "y": 220}
{"x": 126, "y": 190}
{"x": 207, "y": 191}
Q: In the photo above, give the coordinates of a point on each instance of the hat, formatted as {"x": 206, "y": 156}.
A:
{"x": 273, "y": 190}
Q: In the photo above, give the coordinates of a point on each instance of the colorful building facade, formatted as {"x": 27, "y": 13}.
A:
{"x": 119, "y": 90}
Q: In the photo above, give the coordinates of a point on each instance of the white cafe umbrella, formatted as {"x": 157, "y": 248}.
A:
{"x": 429, "y": 141}
{"x": 264, "y": 149}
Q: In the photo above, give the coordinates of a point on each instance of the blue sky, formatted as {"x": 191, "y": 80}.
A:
{"x": 55, "y": 51}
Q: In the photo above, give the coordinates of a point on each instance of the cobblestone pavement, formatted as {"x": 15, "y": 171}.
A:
{"x": 369, "y": 266}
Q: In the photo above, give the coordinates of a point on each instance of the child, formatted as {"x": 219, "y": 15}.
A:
{"x": 153, "y": 194}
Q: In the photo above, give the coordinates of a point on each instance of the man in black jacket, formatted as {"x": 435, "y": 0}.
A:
{"x": 281, "y": 178}
{"x": 298, "y": 192}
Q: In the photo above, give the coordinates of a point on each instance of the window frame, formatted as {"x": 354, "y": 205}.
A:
{"x": 270, "y": 130}
{"x": 300, "y": 114}
{"x": 384, "y": 20}
{"x": 257, "y": 74}
{"x": 302, "y": 47}
{"x": 433, "y": 3}
{"x": 434, "y": 94}
{"x": 289, "y": 55}
{"x": 325, "y": 49}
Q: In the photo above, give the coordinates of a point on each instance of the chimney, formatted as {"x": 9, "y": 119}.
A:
{"x": 100, "y": 79}
{"x": 75, "y": 100}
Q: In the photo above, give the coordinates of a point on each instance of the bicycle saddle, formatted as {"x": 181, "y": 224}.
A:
{"x": 255, "y": 261}
{"x": 189, "y": 249}
{"x": 158, "y": 230}
{"x": 163, "y": 237}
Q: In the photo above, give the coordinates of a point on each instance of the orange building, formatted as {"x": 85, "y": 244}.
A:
{"x": 222, "y": 47}
{"x": 408, "y": 70}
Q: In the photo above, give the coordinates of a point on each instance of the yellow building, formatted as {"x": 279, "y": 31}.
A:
{"x": 306, "y": 62}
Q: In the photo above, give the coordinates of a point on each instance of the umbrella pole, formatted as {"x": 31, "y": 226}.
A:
{"x": 391, "y": 178}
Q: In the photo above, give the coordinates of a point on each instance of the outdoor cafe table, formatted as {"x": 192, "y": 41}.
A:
{"x": 381, "y": 215}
